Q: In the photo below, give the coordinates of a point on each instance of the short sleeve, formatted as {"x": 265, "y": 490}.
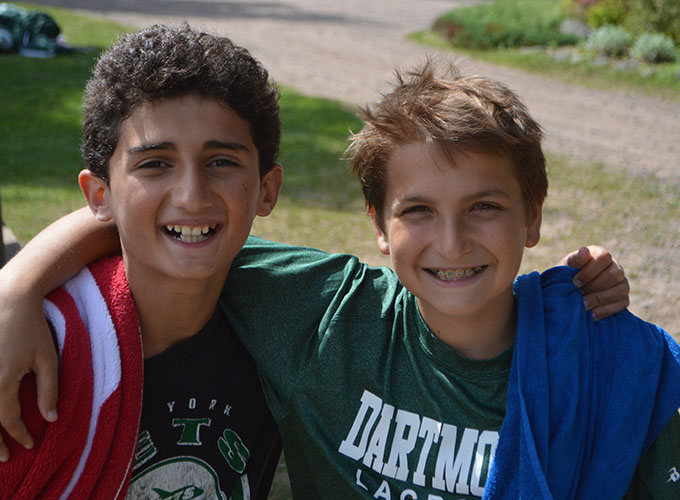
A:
{"x": 277, "y": 299}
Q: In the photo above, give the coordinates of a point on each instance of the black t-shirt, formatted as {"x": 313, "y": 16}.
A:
{"x": 205, "y": 429}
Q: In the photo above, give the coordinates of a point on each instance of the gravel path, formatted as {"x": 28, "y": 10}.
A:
{"x": 347, "y": 50}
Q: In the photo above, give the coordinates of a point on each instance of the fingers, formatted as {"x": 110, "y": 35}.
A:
{"x": 597, "y": 268}
{"x": 576, "y": 259}
{"x": 32, "y": 351}
{"x": 608, "y": 302}
{"x": 10, "y": 417}
{"x": 611, "y": 280}
{"x": 46, "y": 373}
{"x": 602, "y": 280}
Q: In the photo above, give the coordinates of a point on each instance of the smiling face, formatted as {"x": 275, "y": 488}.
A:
{"x": 455, "y": 233}
{"x": 184, "y": 189}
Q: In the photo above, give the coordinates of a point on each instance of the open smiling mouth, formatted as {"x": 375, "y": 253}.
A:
{"x": 190, "y": 234}
{"x": 455, "y": 274}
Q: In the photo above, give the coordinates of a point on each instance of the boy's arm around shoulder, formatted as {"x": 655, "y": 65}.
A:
{"x": 52, "y": 257}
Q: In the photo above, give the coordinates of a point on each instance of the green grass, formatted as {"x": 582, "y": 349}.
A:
{"x": 82, "y": 30}
{"x": 40, "y": 123}
{"x": 315, "y": 135}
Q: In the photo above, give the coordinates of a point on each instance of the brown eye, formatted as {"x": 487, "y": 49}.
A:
{"x": 153, "y": 164}
{"x": 415, "y": 209}
{"x": 483, "y": 205}
{"x": 223, "y": 162}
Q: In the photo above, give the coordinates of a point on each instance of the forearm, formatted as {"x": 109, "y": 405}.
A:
{"x": 59, "y": 252}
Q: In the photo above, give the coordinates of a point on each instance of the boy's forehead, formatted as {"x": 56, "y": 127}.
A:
{"x": 186, "y": 116}
{"x": 184, "y": 125}
{"x": 418, "y": 154}
{"x": 413, "y": 167}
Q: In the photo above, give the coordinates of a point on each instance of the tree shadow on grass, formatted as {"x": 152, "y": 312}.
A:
{"x": 40, "y": 123}
{"x": 315, "y": 136}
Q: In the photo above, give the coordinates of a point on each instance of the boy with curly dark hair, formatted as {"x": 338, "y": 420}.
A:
{"x": 181, "y": 134}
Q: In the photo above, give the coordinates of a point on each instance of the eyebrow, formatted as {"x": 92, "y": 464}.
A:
{"x": 157, "y": 146}
{"x": 489, "y": 192}
{"x": 165, "y": 146}
{"x": 414, "y": 199}
{"x": 235, "y": 146}
{"x": 417, "y": 198}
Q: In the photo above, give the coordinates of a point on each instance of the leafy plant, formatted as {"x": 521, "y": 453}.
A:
{"x": 662, "y": 16}
{"x": 606, "y": 12}
{"x": 610, "y": 40}
{"x": 654, "y": 48}
{"x": 505, "y": 23}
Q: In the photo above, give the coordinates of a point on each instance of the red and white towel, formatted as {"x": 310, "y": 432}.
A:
{"x": 88, "y": 452}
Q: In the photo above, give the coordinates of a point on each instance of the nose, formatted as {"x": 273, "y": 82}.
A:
{"x": 192, "y": 191}
{"x": 452, "y": 238}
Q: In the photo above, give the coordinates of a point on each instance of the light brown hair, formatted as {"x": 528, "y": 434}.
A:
{"x": 456, "y": 114}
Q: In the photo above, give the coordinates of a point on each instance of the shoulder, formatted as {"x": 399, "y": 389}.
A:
{"x": 298, "y": 267}
{"x": 258, "y": 251}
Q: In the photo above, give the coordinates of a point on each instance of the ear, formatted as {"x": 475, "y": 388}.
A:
{"x": 270, "y": 186}
{"x": 534, "y": 229}
{"x": 97, "y": 194}
{"x": 383, "y": 241}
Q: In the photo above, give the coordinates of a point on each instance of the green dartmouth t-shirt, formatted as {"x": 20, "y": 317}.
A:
{"x": 370, "y": 404}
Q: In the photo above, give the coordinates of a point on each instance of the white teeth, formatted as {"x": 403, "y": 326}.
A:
{"x": 189, "y": 234}
{"x": 190, "y": 239}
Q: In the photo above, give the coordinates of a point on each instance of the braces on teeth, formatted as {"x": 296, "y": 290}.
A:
{"x": 458, "y": 273}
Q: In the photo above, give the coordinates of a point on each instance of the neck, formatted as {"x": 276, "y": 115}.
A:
{"x": 171, "y": 310}
{"x": 483, "y": 335}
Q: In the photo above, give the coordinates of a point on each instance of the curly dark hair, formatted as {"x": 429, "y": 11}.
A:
{"x": 161, "y": 62}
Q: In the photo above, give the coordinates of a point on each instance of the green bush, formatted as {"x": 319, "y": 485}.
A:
{"x": 606, "y": 12}
{"x": 654, "y": 47}
{"x": 661, "y": 16}
{"x": 505, "y": 23}
{"x": 612, "y": 41}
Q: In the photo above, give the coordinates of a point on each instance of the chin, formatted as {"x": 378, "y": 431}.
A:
{"x": 194, "y": 273}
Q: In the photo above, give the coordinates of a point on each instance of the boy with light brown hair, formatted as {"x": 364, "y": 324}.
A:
{"x": 454, "y": 179}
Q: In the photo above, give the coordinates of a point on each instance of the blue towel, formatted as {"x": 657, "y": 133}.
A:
{"x": 585, "y": 399}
